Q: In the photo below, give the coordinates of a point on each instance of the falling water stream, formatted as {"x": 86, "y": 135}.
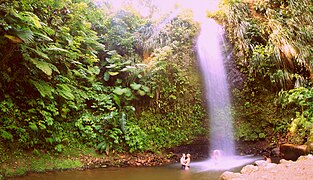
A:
{"x": 212, "y": 56}
{"x": 211, "y": 59}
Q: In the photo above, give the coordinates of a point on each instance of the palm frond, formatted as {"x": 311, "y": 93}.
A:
{"x": 25, "y": 34}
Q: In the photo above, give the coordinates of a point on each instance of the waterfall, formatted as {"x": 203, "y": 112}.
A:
{"x": 211, "y": 59}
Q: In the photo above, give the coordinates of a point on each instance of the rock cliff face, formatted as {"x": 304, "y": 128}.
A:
{"x": 300, "y": 169}
{"x": 235, "y": 78}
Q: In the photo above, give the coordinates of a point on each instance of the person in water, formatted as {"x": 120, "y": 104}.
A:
{"x": 216, "y": 155}
{"x": 183, "y": 161}
{"x": 187, "y": 162}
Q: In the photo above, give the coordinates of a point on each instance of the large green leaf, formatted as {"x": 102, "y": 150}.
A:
{"x": 117, "y": 100}
{"x": 94, "y": 70}
{"x": 38, "y": 52}
{"x": 57, "y": 49}
{"x": 135, "y": 86}
{"x": 31, "y": 18}
{"x": 128, "y": 92}
{"x": 43, "y": 87}
{"x": 33, "y": 126}
{"x": 146, "y": 89}
{"x": 118, "y": 90}
{"x": 113, "y": 73}
{"x": 141, "y": 93}
{"x": 106, "y": 76}
{"x": 43, "y": 66}
{"x": 43, "y": 36}
{"x": 54, "y": 68}
{"x": 25, "y": 34}
{"x": 65, "y": 91}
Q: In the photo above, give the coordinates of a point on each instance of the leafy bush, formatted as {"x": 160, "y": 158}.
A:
{"x": 300, "y": 125}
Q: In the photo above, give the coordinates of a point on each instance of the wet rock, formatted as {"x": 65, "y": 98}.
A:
{"x": 249, "y": 169}
{"x": 230, "y": 175}
{"x": 261, "y": 163}
{"x": 309, "y": 156}
{"x": 253, "y": 147}
{"x": 275, "y": 151}
{"x": 293, "y": 152}
{"x": 199, "y": 149}
{"x": 270, "y": 166}
{"x": 287, "y": 169}
{"x": 284, "y": 161}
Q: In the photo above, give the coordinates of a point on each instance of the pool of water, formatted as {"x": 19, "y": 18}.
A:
{"x": 199, "y": 170}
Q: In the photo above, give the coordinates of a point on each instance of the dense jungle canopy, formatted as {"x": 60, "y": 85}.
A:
{"x": 76, "y": 73}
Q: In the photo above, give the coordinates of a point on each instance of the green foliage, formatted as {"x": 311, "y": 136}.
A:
{"x": 136, "y": 138}
{"x": 257, "y": 116}
{"x": 176, "y": 113}
{"x": 72, "y": 72}
{"x": 272, "y": 46}
{"x": 268, "y": 43}
{"x": 44, "y": 57}
{"x": 299, "y": 127}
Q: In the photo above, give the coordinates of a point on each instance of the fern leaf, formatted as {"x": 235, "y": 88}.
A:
{"x": 57, "y": 49}
{"x": 43, "y": 66}
{"x": 65, "y": 91}
{"x": 43, "y": 88}
{"x": 54, "y": 68}
{"x": 43, "y": 36}
{"x": 25, "y": 34}
{"x": 38, "y": 52}
{"x": 33, "y": 18}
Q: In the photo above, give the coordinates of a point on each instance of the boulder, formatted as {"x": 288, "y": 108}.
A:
{"x": 261, "y": 163}
{"x": 275, "y": 151}
{"x": 249, "y": 169}
{"x": 309, "y": 156}
{"x": 293, "y": 152}
{"x": 265, "y": 165}
{"x": 230, "y": 175}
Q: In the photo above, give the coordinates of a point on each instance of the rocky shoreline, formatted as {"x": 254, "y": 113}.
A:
{"x": 287, "y": 170}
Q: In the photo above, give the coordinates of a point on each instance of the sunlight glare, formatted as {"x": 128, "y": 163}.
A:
{"x": 199, "y": 7}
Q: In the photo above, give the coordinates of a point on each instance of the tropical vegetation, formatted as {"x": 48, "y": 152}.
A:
{"x": 272, "y": 43}
{"x": 76, "y": 74}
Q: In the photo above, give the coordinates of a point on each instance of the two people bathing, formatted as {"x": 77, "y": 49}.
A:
{"x": 185, "y": 161}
